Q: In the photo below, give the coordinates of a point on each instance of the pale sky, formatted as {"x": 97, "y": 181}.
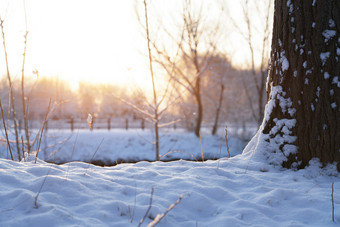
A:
{"x": 88, "y": 40}
{"x": 95, "y": 41}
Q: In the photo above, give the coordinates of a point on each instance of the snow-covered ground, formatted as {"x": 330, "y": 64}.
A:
{"x": 234, "y": 192}
{"x": 120, "y": 145}
{"x": 239, "y": 191}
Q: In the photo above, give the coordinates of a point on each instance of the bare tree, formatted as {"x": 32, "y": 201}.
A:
{"x": 155, "y": 101}
{"x": 256, "y": 32}
{"x": 196, "y": 42}
{"x": 152, "y": 111}
{"x": 218, "y": 78}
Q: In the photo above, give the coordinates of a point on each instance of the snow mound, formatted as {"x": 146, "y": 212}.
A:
{"x": 233, "y": 192}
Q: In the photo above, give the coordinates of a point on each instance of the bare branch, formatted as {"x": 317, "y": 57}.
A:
{"x": 159, "y": 217}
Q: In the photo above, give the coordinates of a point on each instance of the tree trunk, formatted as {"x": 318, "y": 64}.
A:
{"x": 302, "y": 117}
{"x": 199, "y": 117}
{"x": 218, "y": 110}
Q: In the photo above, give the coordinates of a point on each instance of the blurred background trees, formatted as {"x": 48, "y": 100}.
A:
{"x": 196, "y": 55}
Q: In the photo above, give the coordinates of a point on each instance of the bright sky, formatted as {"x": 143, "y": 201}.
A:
{"x": 77, "y": 40}
{"x": 95, "y": 41}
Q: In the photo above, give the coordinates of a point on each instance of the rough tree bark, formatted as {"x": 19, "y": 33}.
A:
{"x": 302, "y": 117}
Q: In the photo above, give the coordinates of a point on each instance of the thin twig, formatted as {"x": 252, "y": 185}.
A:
{"x": 226, "y": 140}
{"x": 219, "y": 156}
{"x": 42, "y": 130}
{"x": 148, "y": 210}
{"x": 23, "y": 148}
{"x": 94, "y": 154}
{"x": 74, "y": 146}
{"x": 4, "y": 123}
{"x": 11, "y": 95}
{"x": 201, "y": 146}
{"x": 42, "y": 185}
{"x": 333, "y": 201}
{"x": 159, "y": 217}
{"x": 25, "y": 111}
{"x": 134, "y": 206}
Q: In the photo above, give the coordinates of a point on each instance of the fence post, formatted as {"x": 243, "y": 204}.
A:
{"x": 126, "y": 124}
{"x": 109, "y": 124}
{"x": 71, "y": 123}
{"x": 142, "y": 124}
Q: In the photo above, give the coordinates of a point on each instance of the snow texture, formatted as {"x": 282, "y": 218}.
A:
{"x": 309, "y": 71}
{"x": 301, "y": 51}
{"x": 324, "y": 56}
{"x": 333, "y": 105}
{"x": 284, "y": 61}
{"x": 331, "y": 23}
{"x": 267, "y": 146}
{"x": 328, "y": 34}
{"x": 326, "y": 75}
{"x": 304, "y": 64}
{"x": 290, "y": 5}
{"x": 237, "y": 192}
{"x": 314, "y": 1}
{"x": 336, "y": 81}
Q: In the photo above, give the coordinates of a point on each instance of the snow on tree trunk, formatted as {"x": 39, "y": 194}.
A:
{"x": 302, "y": 115}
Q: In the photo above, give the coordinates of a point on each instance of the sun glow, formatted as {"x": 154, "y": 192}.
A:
{"x": 91, "y": 41}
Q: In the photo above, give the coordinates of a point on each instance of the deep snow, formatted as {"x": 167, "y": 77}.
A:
{"x": 234, "y": 192}
{"x": 239, "y": 191}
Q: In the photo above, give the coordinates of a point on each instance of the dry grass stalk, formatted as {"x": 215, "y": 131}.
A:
{"x": 94, "y": 154}
{"x": 201, "y": 146}
{"x": 90, "y": 121}
{"x": 23, "y": 148}
{"x": 332, "y": 195}
{"x": 148, "y": 210}
{"x": 4, "y": 123}
{"x": 42, "y": 185}
{"x": 24, "y": 107}
{"x": 226, "y": 140}
{"x": 42, "y": 129}
{"x": 24, "y": 104}
{"x": 134, "y": 206}
{"x": 74, "y": 147}
{"x": 11, "y": 95}
{"x": 159, "y": 217}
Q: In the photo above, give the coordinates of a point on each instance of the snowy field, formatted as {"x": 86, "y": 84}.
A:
{"x": 120, "y": 145}
{"x": 239, "y": 191}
